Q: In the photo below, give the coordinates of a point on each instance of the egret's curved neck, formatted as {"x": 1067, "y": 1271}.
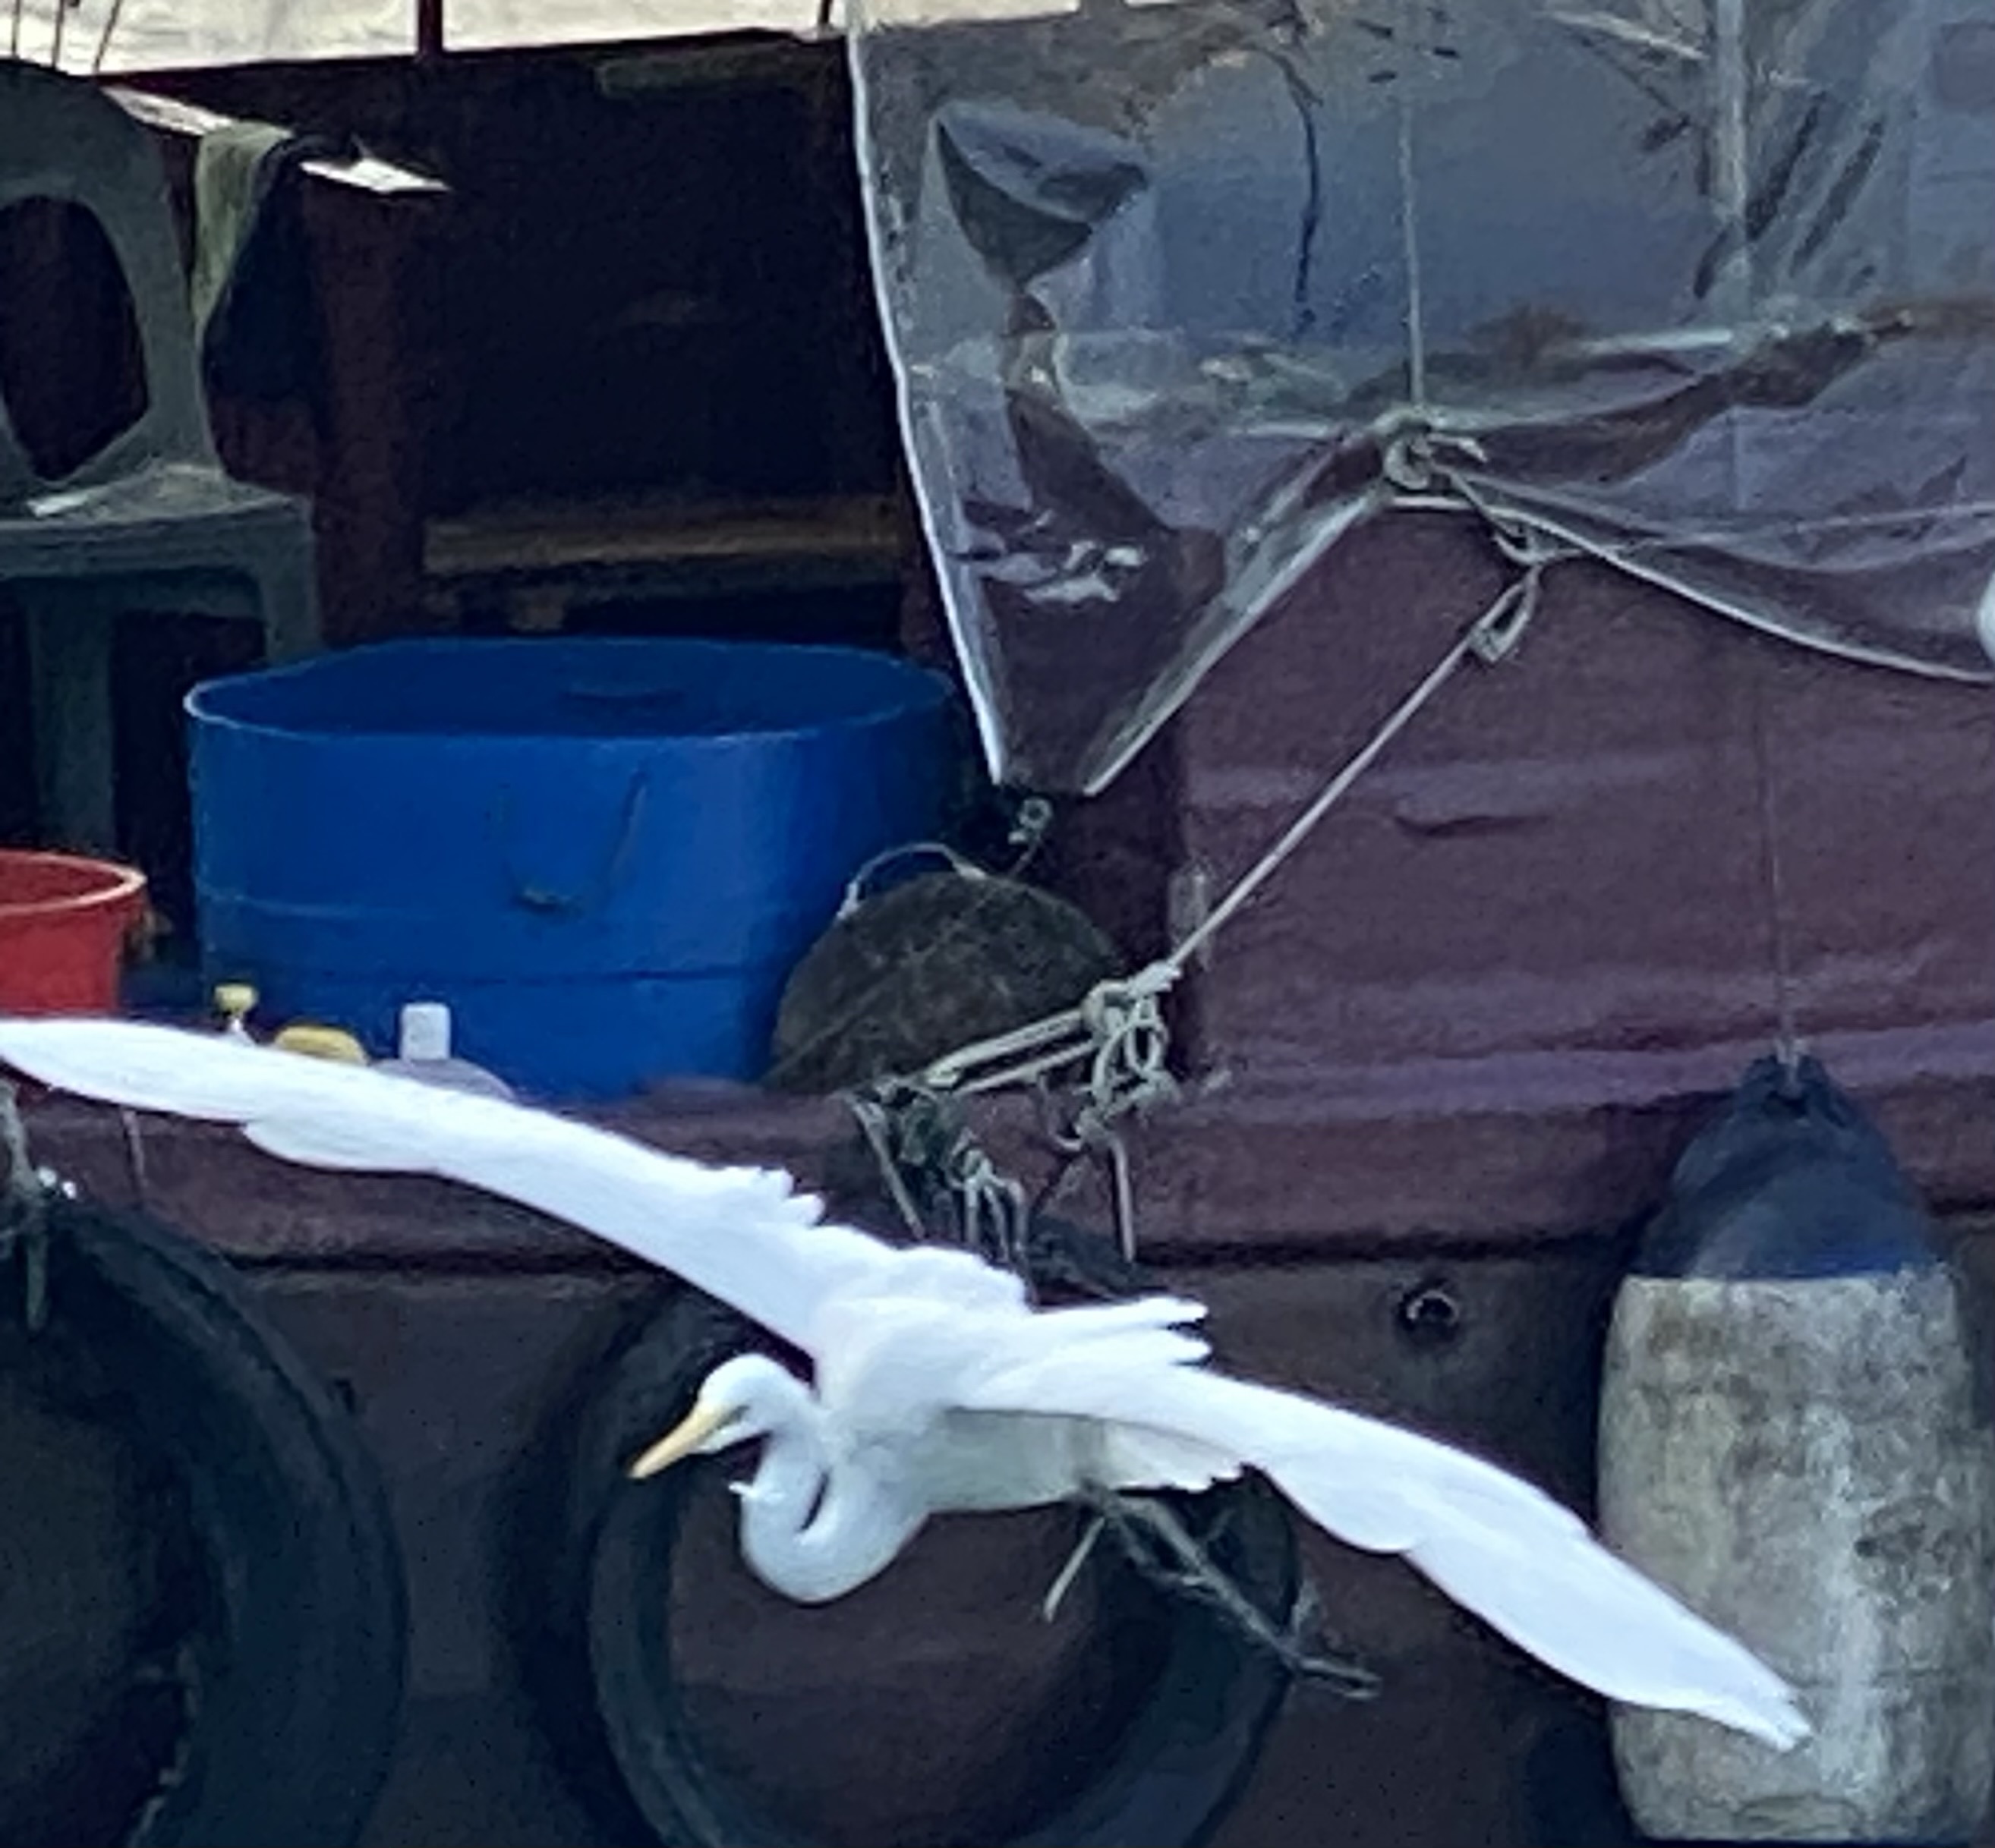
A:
{"x": 810, "y": 1528}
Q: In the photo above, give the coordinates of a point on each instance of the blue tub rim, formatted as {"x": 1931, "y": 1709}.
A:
{"x": 921, "y": 687}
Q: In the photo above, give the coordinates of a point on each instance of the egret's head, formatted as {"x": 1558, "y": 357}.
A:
{"x": 741, "y": 1400}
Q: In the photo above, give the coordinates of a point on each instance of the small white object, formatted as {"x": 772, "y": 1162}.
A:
{"x": 424, "y": 1054}
{"x": 425, "y": 1031}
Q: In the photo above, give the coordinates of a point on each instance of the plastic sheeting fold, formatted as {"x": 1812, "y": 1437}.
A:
{"x": 1179, "y": 294}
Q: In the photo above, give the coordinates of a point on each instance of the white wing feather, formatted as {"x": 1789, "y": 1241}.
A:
{"x": 745, "y": 1235}
{"x": 1524, "y": 1565}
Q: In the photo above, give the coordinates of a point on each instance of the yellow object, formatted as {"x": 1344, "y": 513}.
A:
{"x": 332, "y": 1042}
{"x": 235, "y": 1001}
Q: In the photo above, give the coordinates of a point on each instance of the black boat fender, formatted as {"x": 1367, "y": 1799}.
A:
{"x": 605, "y": 1680}
{"x": 283, "y": 1618}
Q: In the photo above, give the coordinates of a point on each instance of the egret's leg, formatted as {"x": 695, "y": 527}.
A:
{"x": 1164, "y": 1550}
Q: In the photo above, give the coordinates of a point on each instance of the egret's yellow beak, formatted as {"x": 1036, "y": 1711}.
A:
{"x": 683, "y": 1438}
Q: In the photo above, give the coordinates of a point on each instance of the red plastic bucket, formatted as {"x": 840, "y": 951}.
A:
{"x": 64, "y": 923}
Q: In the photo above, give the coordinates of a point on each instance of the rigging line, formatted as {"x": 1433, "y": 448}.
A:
{"x": 1409, "y": 232}
{"x": 1502, "y": 620}
{"x": 1787, "y": 1037}
{"x": 104, "y": 37}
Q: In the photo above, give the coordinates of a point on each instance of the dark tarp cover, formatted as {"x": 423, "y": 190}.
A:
{"x": 1180, "y": 292}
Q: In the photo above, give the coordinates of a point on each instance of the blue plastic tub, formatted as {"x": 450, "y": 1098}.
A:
{"x": 605, "y": 855}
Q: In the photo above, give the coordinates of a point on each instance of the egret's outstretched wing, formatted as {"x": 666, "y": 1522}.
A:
{"x": 743, "y": 1234}
{"x": 1494, "y": 1544}
{"x": 1508, "y": 1552}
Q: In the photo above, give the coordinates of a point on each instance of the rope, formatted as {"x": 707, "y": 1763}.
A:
{"x": 134, "y": 1158}
{"x": 1164, "y": 1550}
{"x": 855, "y": 887}
{"x": 914, "y": 1132}
{"x": 1490, "y": 639}
{"x": 25, "y": 1192}
{"x": 1410, "y": 234}
{"x": 1117, "y": 1031}
{"x": 1119, "y": 1027}
{"x": 874, "y": 1120}
{"x": 104, "y": 38}
{"x": 991, "y": 1206}
{"x": 1787, "y": 1043}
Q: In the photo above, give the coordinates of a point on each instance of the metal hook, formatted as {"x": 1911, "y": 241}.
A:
{"x": 1028, "y": 826}
{"x": 856, "y": 887}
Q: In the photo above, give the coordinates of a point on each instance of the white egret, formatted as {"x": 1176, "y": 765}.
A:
{"x": 937, "y": 1386}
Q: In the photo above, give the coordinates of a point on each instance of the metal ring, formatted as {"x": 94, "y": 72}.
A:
{"x": 1430, "y": 1315}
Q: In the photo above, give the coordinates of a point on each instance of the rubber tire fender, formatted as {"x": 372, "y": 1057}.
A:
{"x": 606, "y": 1687}
{"x": 302, "y": 1659}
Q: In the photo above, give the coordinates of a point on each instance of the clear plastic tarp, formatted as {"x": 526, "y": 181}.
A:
{"x": 485, "y": 25}
{"x": 122, "y": 37}
{"x": 1179, "y": 292}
